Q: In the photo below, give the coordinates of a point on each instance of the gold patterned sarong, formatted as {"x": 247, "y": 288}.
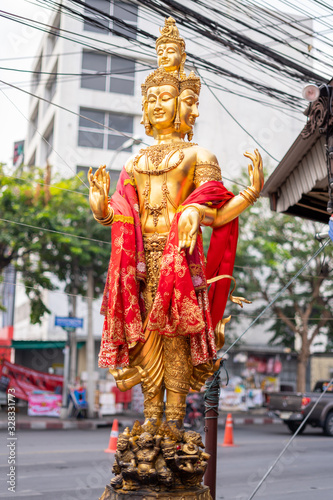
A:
{"x": 160, "y": 362}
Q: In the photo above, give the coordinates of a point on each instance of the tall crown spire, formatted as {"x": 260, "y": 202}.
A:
{"x": 170, "y": 33}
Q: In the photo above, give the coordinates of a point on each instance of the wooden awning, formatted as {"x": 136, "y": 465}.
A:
{"x": 299, "y": 186}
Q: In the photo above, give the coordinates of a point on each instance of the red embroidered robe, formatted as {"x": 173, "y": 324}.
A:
{"x": 181, "y": 305}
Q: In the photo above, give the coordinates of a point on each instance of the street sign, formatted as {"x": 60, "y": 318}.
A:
{"x": 68, "y": 322}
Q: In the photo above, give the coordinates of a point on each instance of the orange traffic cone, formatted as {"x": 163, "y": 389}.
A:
{"x": 228, "y": 432}
{"x": 113, "y": 438}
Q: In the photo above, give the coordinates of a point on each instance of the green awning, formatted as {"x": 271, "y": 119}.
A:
{"x": 40, "y": 344}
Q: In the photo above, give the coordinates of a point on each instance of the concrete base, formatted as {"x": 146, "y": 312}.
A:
{"x": 201, "y": 493}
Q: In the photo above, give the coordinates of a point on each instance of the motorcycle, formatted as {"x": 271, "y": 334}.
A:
{"x": 195, "y": 412}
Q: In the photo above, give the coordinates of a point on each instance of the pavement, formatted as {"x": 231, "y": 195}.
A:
{"x": 257, "y": 416}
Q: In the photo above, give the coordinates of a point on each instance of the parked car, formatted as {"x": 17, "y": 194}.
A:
{"x": 293, "y": 407}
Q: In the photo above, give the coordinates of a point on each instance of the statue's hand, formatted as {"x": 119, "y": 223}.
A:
{"x": 255, "y": 171}
{"x": 98, "y": 192}
{"x": 188, "y": 227}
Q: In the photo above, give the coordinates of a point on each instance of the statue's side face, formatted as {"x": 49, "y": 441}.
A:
{"x": 189, "y": 102}
{"x": 169, "y": 56}
{"x": 161, "y": 106}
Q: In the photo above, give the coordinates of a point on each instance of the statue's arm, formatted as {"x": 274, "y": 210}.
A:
{"x": 234, "y": 207}
{"x": 207, "y": 169}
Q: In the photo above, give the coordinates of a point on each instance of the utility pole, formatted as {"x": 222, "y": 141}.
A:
{"x": 64, "y": 409}
{"x": 211, "y": 416}
{"x": 73, "y": 343}
{"x": 90, "y": 347}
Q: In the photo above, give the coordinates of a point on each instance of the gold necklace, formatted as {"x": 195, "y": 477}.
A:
{"x": 157, "y": 154}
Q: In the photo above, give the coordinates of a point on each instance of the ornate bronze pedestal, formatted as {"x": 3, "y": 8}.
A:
{"x": 188, "y": 494}
{"x": 158, "y": 461}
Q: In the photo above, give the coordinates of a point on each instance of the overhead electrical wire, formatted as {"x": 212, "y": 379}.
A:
{"x": 57, "y": 4}
{"x": 241, "y": 44}
{"x": 235, "y": 120}
{"x": 107, "y": 16}
{"x": 124, "y": 134}
{"x": 260, "y": 30}
{"x": 279, "y": 15}
{"x": 54, "y": 231}
{"x": 284, "y": 97}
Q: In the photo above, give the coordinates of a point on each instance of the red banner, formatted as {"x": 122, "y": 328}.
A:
{"x": 25, "y": 380}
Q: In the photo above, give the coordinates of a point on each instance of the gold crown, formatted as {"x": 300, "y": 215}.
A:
{"x": 170, "y": 33}
{"x": 192, "y": 81}
{"x": 157, "y": 78}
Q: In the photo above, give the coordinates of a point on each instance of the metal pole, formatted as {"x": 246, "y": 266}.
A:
{"x": 63, "y": 413}
{"x": 211, "y": 417}
{"x": 73, "y": 340}
{"x": 90, "y": 347}
{"x": 73, "y": 346}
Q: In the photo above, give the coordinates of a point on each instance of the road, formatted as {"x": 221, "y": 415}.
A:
{"x": 71, "y": 465}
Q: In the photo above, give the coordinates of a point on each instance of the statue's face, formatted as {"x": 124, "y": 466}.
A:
{"x": 193, "y": 437}
{"x": 169, "y": 56}
{"x": 161, "y": 106}
{"x": 146, "y": 440}
{"x": 189, "y": 102}
{"x": 168, "y": 451}
{"x": 122, "y": 443}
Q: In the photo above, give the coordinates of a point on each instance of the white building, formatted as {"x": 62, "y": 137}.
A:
{"x": 113, "y": 99}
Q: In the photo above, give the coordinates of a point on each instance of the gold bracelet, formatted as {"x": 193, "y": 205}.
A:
{"x": 199, "y": 208}
{"x": 255, "y": 193}
{"x": 106, "y": 221}
{"x": 250, "y": 195}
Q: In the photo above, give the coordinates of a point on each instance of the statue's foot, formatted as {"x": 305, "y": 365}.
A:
{"x": 152, "y": 422}
{"x": 178, "y": 423}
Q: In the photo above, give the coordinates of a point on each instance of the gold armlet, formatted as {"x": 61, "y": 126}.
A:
{"x": 199, "y": 208}
{"x": 106, "y": 221}
{"x": 250, "y": 195}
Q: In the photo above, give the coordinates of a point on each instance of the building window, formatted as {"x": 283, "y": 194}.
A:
{"x": 32, "y": 161}
{"x": 53, "y": 34}
{"x": 95, "y": 135}
{"x": 36, "y": 74}
{"x": 51, "y": 86}
{"x": 48, "y": 142}
{"x": 118, "y": 77}
{"x": 100, "y": 23}
{"x": 33, "y": 125}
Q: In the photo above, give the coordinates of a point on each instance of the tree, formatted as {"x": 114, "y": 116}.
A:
{"x": 34, "y": 218}
{"x": 272, "y": 248}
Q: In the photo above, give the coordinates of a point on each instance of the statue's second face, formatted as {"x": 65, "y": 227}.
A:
{"x": 189, "y": 101}
{"x": 161, "y": 106}
{"x": 169, "y": 56}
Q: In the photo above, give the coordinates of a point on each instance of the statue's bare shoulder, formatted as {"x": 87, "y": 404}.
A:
{"x": 129, "y": 165}
{"x": 203, "y": 155}
{"x": 206, "y": 167}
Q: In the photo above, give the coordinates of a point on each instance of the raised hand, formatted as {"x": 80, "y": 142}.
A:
{"x": 255, "y": 170}
{"x": 98, "y": 192}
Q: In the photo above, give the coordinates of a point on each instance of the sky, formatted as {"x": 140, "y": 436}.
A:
{"x": 16, "y": 41}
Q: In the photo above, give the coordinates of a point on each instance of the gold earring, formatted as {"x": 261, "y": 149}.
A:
{"x": 177, "y": 117}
